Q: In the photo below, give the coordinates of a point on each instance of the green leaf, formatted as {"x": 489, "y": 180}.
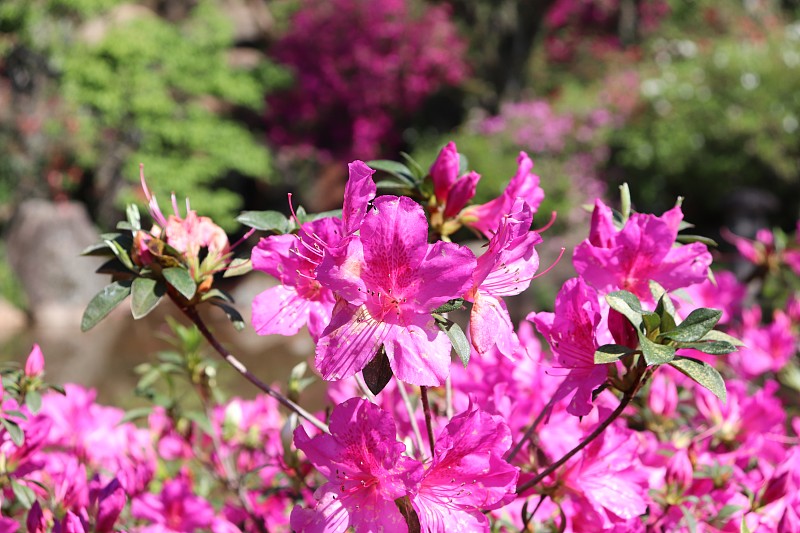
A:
{"x": 625, "y": 202}
{"x": 135, "y": 414}
{"x": 628, "y": 304}
{"x": 33, "y": 400}
{"x": 14, "y": 431}
{"x": 710, "y": 347}
{"x": 609, "y": 353}
{"x": 238, "y": 267}
{"x": 655, "y": 354}
{"x": 415, "y": 168}
{"x": 457, "y": 339}
{"x": 378, "y": 372}
{"x": 23, "y": 494}
{"x": 113, "y": 266}
{"x": 715, "y": 335}
{"x": 651, "y": 321}
{"x": 691, "y": 521}
{"x": 398, "y": 170}
{"x": 103, "y": 302}
{"x": 201, "y": 420}
{"x": 122, "y": 254}
{"x": 145, "y": 295}
{"x": 265, "y": 221}
{"x": 660, "y": 293}
{"x": 97, "y": 249}
{"x": 697, "y": 324}
{"x": 311, "y": 217}
{"x": 703, "y": 373}
{"x": 688, "y": 239}
{"x": 232, "y": 314}
{"x": 132, "y": 213}
{"x": 451, "y": 305}
{"x": 218, "y": 294}
{"x": 667, "y": 317}
{"x": 392, "y": 185}
{"x": 182, "y": 281}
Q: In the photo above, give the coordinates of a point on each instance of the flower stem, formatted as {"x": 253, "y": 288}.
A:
{"x": 626, "y": 399}
{"x": 411, "y": 417}
{"x": 426, "y": 408}
{"x": 544, "y": 412}
{"x": 192, "y": 314}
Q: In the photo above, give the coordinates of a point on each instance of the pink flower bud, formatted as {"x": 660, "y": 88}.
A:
{"x": 444, "y": 171}
{"x": 35, "y": 522}
{"x": 34, "y": 366}
{"x": 680, "y": 472}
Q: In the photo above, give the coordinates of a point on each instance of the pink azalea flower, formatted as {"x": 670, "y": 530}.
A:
{"x": 468, "y": 474}
{"x": 606, "y": 485}
{"x": 187, "y": 235}
{"x": 34, "y": 365}
{"x": 766, "y": 347}
{"x": 642, "y": 251}
{"x": 486, "y": 217}
{"x": 451, "y": 191}
{"x": 300, "y": 299}
{"x": 389, "y": 282}
{"x": 571, "y": 332}
{"x": 365, "y": 468}
{"x": 174, "y": 509}
{"x": 505, "y": 269}
{"x": 106, "y": 503}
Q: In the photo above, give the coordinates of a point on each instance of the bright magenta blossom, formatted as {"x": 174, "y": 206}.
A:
{"x": 451, "y": 190}
{"x": 365, "y": 468}
{"x": 612, "y": 259}
{"x": 486, "y": 217}
{"x": 505, "y": 269}
{"x": 468, "y": 474}
{"x": 571, "y": 332}
{"x": 389, "y": 281}
{"x": 299, "y": 300}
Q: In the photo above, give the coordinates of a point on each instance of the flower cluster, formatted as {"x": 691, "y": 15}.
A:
{"x": 634, "y": 414}
{"x": 369, "y": 66}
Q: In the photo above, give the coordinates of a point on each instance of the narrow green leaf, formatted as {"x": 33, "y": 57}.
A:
{"x": 97, "y": 249}
{"x": 651, "y": 321}
{"x": 232, "y": 314}
{"x": 415, "y": 168}
{"x": 182, "y": 281}
{"x": 218, "y": 294}
{"x": 14, "y": 431}
{"x": 378, "y": 372}
{"x": 660, "y": 293}
{"x": 703, "y": 373}
{"x": 688, "y": 516}
{"x": 625, "y": 202}
{"x": 688, "y": 239}
{"x": 655, "y": 354}
{"x": 122, "y": 254}
{"x": 450, "y": 305}
{"x": 715, "y": 335}
{"x": 392, "y": 185}
{"x": 697, "y": 324}
{"x": 609, "y": 353}
{"x": 135, "y": 414}
{"x": 457, "y": 339}
{"x": 393, "y": 168}
{"x": 132, "y": 213}
{"x": 145, "y": 295}
{"x": 23, "y": 494}
{"x": 311, "y": 217}
{"x": 710, "y": 347}
{"x": 113, "y": 266}
{"x": 201, "y": 420}
{"x": 238, "y": 267}
{"x": 265, "y": 221}
{"x": 103, "y": 302}
{"x": 628, "y": 304}
{"x": 34, "y": 401}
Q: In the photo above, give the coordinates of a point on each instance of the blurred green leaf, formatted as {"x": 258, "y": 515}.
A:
{"x": 104, "y": 302}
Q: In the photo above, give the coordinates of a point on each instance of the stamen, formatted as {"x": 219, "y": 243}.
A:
{"x": 550, "y": 222}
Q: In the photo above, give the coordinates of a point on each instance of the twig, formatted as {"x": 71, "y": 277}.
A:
{"x": 626, "y": 399}
{"x": 411, "y": 417}
{"x": 194, "y": 316}
{"x": 426, "y": 408}
{"x": 514, "y": 451}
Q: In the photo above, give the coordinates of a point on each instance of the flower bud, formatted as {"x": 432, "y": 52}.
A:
{"x": 34, "y": 366}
